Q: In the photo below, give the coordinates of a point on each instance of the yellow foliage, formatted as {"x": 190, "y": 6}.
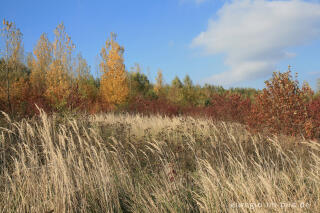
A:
{"x": 114, "y": 86}
{"x": 20, "y": 90}
{"x": 40, "y": 64}
{"x": 58, "y": 85}
{"x": 3, "y": 92}
{"x": 84, "y": 80}
{"x": 63, "y": 48}
{"x": 159, "y": 83}
{"x": 19, "y": 93}
{"x": 58, "y": 77}
{"x": 12, "y": 55}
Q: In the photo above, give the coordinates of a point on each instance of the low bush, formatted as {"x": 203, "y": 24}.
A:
{"x": 284, "y": 108}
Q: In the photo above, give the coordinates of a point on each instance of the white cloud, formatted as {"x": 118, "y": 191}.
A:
{"x": 254, "y": 35}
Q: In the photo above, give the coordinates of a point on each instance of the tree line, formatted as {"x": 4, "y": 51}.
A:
{"x": 56, "y": 78}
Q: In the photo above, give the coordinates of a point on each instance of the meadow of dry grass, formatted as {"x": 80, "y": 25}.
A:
{"x": 131, "y": 163}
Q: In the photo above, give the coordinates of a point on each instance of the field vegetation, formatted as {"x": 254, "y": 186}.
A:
{"x": 134, "y": 163}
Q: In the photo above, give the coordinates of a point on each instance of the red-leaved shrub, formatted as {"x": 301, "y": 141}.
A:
{"x": 157, "y": 106}
{"x": 229, "y": 107}
{"x": 314, "y": 112}
{"x": 284, "y": 108}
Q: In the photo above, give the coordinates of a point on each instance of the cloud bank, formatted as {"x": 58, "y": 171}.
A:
{"x": 255, "y": 34}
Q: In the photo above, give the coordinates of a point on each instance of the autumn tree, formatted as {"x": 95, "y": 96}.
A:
{"x": 282, "y": 107}
{"x": 189, "y": 92}
{"x": 159, "y": 86}
{"x": 82, "y": 69}
{"x": 176, "y": 91}
{"x": 84, "y": 81}
{"x": 11, "y": 66}
{"x": 114, "y": 84}
{"x": 60, "y": 73}
{"x": 176, "y": 83}
{"x": 40, "y": 65}
{"x": 139, "y": 84}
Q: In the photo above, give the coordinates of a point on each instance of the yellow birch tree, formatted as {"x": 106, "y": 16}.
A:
{"x": 158, "y": 87}
{"x": 40, "y": 65}
{"x": 59, "y": 75}
{"x": 113, "y": 86}
{"x": 12, "y": 61}
{"x": 84, "y": 80}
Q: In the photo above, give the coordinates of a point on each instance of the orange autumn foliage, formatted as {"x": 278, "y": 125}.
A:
{"x": 282, "y": 108}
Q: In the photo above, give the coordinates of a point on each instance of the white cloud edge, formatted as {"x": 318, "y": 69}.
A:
{"x": 237, "y": 27}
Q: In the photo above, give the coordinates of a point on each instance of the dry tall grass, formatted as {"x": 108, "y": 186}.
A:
{"x": 126, "y": 163}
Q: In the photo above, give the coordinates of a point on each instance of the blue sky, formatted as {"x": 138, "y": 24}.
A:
{"x": 230, "y": 43}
